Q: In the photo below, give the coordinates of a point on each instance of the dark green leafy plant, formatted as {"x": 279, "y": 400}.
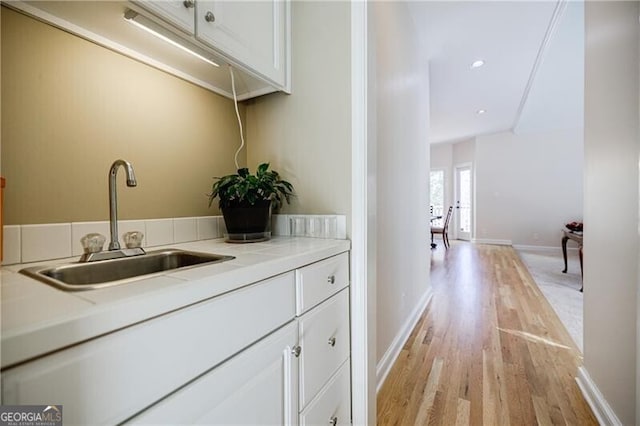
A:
{"x": 244, "y": 189}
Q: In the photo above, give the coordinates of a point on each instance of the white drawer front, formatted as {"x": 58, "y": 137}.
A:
{"x": 332, "y": 406}
{"x": 108, "y": 379}
{"x": 318, "y": 281}
{"x": 257, "y": 386}
{"x": 324, "y": 338}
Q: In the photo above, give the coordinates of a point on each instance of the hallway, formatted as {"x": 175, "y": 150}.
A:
{"x": 488, "y": 350}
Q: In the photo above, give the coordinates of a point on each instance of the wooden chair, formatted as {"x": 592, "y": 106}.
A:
{"x": 444, "y": 230}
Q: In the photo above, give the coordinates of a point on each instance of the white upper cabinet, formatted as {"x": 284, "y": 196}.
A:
{"x": 251, "y": 36}
{"x": 254, "y": 33}
{"x": 179, "y": 13}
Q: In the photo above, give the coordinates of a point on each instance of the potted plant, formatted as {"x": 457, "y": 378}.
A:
{"x": 246, "y": 201}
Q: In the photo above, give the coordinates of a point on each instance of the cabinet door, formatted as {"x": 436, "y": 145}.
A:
{"x": 254, "y": 33}
{"x": 257, "y": 386}
{"x": 180, "y": 13}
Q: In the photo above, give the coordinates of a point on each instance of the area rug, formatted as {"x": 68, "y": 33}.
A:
{"x": 561, "y": 290}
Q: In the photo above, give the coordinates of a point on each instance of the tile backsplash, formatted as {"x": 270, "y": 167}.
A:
{"x": 45, "y": 241}
{"x": 159, "y": 232}
{"x": 314, "y": 226}
{"x": 11, "y": 248}
{"x": 32, "y": 243}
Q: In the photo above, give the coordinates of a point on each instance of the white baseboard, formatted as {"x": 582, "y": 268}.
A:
{"x": 545, "y": 249}
{"x": 390, "y": 356}
{"x": 491, "y": 241}
{"x": 601, "y": 408}
{"x": 541, "y": 249}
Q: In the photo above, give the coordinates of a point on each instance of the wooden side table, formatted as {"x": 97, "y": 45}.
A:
{"x": 566, "y": 236}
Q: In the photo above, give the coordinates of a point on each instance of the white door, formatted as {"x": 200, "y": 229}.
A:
{"x": 463, "y": 207}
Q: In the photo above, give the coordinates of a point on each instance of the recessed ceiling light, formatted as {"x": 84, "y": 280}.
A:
{"x": 477, "y": 64}
{"x": 480, "y": 111}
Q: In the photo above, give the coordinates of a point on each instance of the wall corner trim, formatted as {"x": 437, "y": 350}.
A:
{"x": 390, "y": 356}
{"x": 601, "y": 408}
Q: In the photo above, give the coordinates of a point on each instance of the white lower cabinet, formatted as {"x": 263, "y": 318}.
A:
{"x": 259, "y": 387}
{"x": 259, "y": 355}
{"x": 111, "y": 378}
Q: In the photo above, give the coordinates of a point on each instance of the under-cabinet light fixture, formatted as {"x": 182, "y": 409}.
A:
{"x": 154, "y": 29}
{"x": 480, "y": 111}
{"x": 477, "y": 64}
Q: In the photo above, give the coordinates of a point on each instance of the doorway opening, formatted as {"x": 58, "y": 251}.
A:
{"x": 463, "y": 196}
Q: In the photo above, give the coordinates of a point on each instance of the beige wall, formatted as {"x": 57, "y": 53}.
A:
{"x": 70, "y": 108}
{"x": 611, "y": 202}
{"x": 306, "y": 136}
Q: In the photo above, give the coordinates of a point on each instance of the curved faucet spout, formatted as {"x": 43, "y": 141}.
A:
{"x": 113, "y": 198}
{"x": 128, "y": 168}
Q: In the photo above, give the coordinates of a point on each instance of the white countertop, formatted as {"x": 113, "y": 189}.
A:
{"x": 38, "y": 318}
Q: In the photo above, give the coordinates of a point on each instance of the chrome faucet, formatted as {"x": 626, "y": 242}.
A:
{"x": 113, "y": 198}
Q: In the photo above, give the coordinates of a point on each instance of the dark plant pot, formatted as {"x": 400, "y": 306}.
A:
{"x": 246, "y": 223}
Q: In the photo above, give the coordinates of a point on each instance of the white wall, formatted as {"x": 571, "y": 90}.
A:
{"x": 611, "y": 202}
{"x": 402, "y": 192}
{"x": 306, "y": 136}
{"x": 528, "y": 186}
{"x": 463, "y": 152}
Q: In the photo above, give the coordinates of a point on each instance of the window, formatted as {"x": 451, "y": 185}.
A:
{"x": 437, "y": 195}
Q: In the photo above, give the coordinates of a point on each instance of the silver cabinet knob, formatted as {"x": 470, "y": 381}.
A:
{"x": 332, "y": 341}
{"x": 296, "y": 351}
{"x": 189, "y": 4}
{"x": 209, "y": 17}
{"x": 331, "y": 279}
{"x": 333, "y": 421}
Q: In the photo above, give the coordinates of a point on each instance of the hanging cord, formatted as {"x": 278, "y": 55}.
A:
{"x": 235, "y": 101}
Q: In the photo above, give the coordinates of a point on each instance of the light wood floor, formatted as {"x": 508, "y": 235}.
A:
{"x": 489, "y": 350}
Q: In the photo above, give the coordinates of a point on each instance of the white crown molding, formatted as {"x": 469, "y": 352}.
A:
{"x": 561, "y": 6}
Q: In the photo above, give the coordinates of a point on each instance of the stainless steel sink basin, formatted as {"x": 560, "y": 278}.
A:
{"x": 107, "y": 273}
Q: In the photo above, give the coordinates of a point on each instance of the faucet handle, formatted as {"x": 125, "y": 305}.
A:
{"x": 93, "y": 243}
{"x": 133, "y": 239}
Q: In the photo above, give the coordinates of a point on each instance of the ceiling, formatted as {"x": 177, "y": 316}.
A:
{"x": 532, "y": 52}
